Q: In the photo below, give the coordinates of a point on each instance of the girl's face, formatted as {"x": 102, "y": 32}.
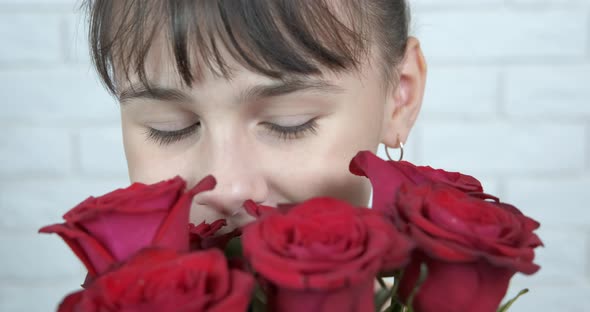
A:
{"x": 271, "y": 141}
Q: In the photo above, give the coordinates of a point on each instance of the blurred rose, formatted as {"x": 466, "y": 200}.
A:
{"x": 471, "y": 247}
{"x": 205, "y": 235}
{"x": 110, "y": 228}
{"x": 156, "y": 280}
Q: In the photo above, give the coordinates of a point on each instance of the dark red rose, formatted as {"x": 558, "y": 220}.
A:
{"x": 156, "y": 280}
{"x": 257, "y": 210}
{"x": 387, "y": 177}
{"x": 322, "y": 255}
{"x": 205, "y": 236}
{"x": 471, "y": 247}
{"x": 110, "y": 228}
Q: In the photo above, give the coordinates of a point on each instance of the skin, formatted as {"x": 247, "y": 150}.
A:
{"x": 354, "y": 111}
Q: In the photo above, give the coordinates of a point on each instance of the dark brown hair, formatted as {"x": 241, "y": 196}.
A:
{"x": 275, "y": 38}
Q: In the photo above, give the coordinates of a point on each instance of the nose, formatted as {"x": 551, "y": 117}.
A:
{"x": 238, "y": 179}
{"x": 229, "y": 195}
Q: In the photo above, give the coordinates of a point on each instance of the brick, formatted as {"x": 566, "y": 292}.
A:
{"x": 490, "y": 185}
{"x": 548, "y": 91}
{"x": 557, "y": 297}
{"x": 57, "y": 95}
{"x": 77, "y": 29}
{"x": 35, "y": 151}
{"x": 30, "y": 37}
{"x": 35, "y": 297}
{"x": 428, "y": 4}
{"x": 502, "y": 35}
{"x": 503, "y": 148}
{"x": 461, "y": 91}
{"x": 42, "y": 2}
{"x": 32, "y": 204}
{"x": 558, "y": 201}
{"x": 562, "y": 260}
{"x": 37, "y": 257}
{"x": 542, "y": 3}
{"x": 102, "y": 152}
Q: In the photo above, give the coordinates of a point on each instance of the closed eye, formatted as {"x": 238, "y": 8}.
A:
{"x": 164, "y": 138}
{"x": 292, "y": 132}
{"x": 168, "y": 137}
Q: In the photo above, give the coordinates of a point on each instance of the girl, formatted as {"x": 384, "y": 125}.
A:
{"x": 272, "y": 97}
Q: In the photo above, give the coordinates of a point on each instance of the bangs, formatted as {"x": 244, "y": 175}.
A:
{"x": 274, "y": 38}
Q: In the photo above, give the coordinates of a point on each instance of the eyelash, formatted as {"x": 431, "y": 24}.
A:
{"x": 169, "y": 137}
{"x": 295, "y": 132}
{"x": 283, "y": 133}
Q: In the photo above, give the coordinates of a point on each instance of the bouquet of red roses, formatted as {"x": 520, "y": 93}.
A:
{"x": 448, "y": 246}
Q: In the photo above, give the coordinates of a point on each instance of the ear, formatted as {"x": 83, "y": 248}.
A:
{"x": 405, "y": 99}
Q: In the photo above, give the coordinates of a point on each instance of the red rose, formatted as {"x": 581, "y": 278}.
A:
{"x": 257, "y": 210}
{"x": 203, "y": 236}
{"x": 110, "y": 228}
{"x": 471, "y": 247}
{"x": 322, "y": 255}
{"x": 156, "y": 280}
{"x": 387, "y": 177}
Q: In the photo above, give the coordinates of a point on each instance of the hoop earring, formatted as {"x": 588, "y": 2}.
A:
{"x": 401, "y": 154}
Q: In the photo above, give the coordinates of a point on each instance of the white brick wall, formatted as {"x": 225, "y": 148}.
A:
{"x": 508, "y": 100}
{"x": 548, "y": 90}
{"x": 57, "y": 128}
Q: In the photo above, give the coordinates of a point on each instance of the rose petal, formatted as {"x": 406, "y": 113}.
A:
{"x": 93, "y": 255}
{"x": 125, "y": 234}
{"x": 173, "y": 232}
{"x": 458, "y": 287}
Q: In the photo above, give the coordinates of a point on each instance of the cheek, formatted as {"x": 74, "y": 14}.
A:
{"x": 359, "y": 129}
{"x": 322, "y": 175}
{"x": 321, "y": 167}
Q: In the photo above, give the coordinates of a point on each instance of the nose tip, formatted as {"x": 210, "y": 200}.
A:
{"x": 228, "y": 197}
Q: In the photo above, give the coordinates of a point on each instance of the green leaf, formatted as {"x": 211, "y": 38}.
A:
{"x": 258, "y": 300}
{"x": 509, "y": 303}
{"x": 258, "y": 294}
{"x": 233, "y": 249}
{"x": 258, "y": 306}
{"x": 395, "y": 304}
{"x": 421, "y": 279}
{"x": 397, "y": 307}
{"x": 381, "y": 298}
{"x": 396, "y": 281}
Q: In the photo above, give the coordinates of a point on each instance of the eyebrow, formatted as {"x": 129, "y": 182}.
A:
{"x": 285, "y": 87}
{"x": 276, "y": 89}
{"x": 139, "y": 91}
